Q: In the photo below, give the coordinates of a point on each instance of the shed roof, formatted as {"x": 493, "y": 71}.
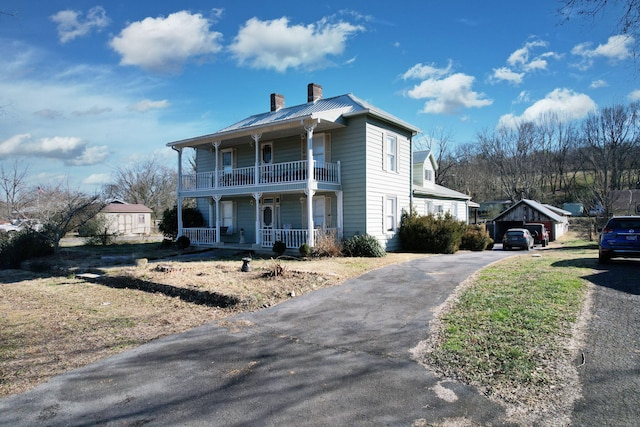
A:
{"x": 535, "y": 205}
{"x": 126, "y": 208}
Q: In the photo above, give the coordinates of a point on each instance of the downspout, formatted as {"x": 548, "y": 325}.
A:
{"x": 410, "y": 174}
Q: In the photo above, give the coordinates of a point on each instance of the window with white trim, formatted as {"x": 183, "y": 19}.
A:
{"x": 428, "y": 175}
{"x": 428, "y": 207}
{"x": 227, "y": 215}
{"x": 390, "y": 214}
{"x": 390, "y": 153}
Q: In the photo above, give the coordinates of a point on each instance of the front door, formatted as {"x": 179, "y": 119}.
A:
{"x": 268, "y": 219}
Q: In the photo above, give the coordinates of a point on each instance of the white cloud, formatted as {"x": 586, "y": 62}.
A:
{"x": 565, "y": 103}
{"x": 598, "y": 84}
{"x": 520, "y": 57}
{"x": 449, "y": 94}
{"x": 522, "y": 61}
{"x": 165, "y": 44}
{"x": 279, "y": 45}
{"x": 506, "y": 74}
{"x": 146, "y": 105}
{"x": 634, "y": 96}
{"x": 420, "y": 71}
{"x": 94, "y": 105}
{"x": 90, "y": 156}
{"x": 97, "y": 179}
{"x": 523, "y": 97}
{"x": 71, "y": 150}
{"x": 617, "y": 48}
{"x": 70, "y": 24}
{"x": 12, "y": 145}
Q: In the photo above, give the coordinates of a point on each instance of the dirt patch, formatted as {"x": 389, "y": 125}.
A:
{"x": 94, "y": 306}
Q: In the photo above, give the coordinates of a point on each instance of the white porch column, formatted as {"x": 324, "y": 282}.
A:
{"x": 210, "y": 208}
{"x": 340, "y": 218}
{"x": 180, "y": 198}
{"x": 256, "y": 139}
{"x": 217, "y": 198}
{"x": 216, "y": 146}
{"x": 309, "y": 127}
{"x": 256, "y": 197}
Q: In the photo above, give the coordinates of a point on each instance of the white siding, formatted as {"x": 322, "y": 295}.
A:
{"x": 382, "y": 184}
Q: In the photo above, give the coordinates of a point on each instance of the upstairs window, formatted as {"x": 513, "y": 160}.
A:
{"x": 390, "y": 153}
{"x": 428, "y": 175}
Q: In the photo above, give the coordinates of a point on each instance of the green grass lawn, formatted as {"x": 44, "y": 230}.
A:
{"x": 510, "y": 326}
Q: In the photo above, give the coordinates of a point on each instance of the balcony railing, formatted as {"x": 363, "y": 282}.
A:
{"x": 268, "y": 174}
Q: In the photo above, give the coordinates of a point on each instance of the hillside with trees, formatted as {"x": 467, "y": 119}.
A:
{"x": 551, "y": 160}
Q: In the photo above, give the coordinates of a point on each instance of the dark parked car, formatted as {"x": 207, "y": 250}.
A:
{"x": 517, "y": 238}
{"x": 539, "y": 232}
{"x": 620, "y": 238}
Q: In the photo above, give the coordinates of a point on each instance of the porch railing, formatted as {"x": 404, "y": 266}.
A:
{"x": 276, "y": 173}
{"x": 200, "y": 236}
{"x": 293, "y": 238}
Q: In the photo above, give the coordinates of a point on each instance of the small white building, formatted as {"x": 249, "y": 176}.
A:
{"x": 127, "y": 219}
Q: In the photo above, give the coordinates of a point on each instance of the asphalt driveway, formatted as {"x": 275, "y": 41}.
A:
{"x": 610, "y": 371}
{"x": 338, "y": 356}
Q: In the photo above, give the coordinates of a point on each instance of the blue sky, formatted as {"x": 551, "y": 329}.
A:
{"x": 87, "y": 87}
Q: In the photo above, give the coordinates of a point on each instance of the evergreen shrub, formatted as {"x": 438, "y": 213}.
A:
{"x": 440, "y": 234}
{"x": 363, "y": 245}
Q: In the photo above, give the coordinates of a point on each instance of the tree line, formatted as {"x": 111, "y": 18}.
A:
{"x": 550, "y": 160}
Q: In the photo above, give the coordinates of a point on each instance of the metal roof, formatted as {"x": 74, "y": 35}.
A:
{"x": 330, "y": 110}
{"x": 537, "y": 206}
{"x": 439, "y": 191}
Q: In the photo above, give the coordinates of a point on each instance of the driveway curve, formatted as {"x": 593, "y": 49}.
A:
{"x": 338, "y": 356}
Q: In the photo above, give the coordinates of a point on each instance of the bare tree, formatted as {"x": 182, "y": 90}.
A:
{"x": 148, "y": 182}
{"x": 63, "y": 210}
{"x": 611, "y": 138}
{"x": 511, "y": 154}
{"x": 14, "y": 189}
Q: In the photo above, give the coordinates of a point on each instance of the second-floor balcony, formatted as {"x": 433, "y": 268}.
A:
{"x": 278, "y": 174}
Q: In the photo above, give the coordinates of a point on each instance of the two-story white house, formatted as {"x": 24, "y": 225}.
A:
{"x": 333, "y": 164}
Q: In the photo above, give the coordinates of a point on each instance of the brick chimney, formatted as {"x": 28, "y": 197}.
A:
{"x": 277, "y": 102}
{"x": 314, "y": 92}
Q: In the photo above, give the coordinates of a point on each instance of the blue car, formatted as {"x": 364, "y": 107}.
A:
{"x": 620, "y": 238}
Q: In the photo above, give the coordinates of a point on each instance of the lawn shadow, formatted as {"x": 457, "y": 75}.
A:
{"x": 619, "y": 274}
{"x": 195, "y": 296}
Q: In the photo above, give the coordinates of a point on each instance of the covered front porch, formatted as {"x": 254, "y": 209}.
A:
{"x": 293, "y": 238}
{"x": 261, "y": 219}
